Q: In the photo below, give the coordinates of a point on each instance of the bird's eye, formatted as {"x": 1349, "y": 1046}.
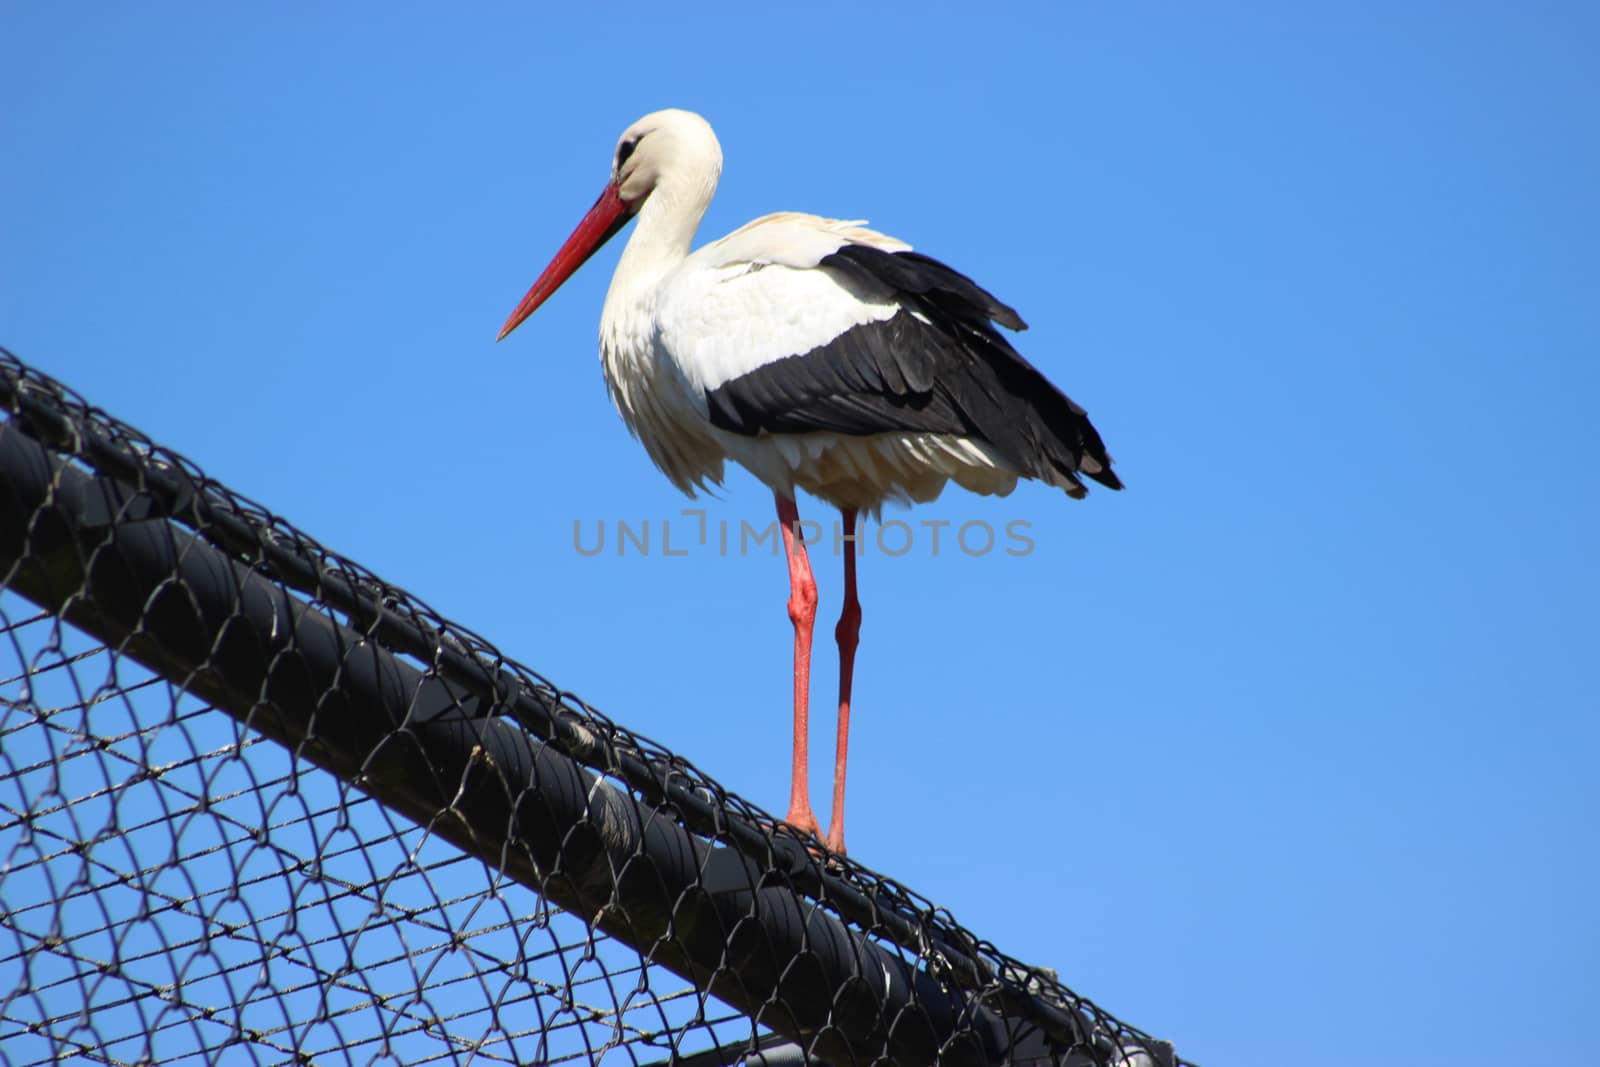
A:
{"x": 624, "y": 150}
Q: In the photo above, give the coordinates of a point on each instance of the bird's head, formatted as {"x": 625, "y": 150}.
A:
{"x": 669, "y": 155}
{"x": 664, "y": 148}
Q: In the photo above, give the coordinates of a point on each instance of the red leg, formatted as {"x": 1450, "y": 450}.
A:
{"x": 848, "y": 634}
{"x": 803, "y": 613}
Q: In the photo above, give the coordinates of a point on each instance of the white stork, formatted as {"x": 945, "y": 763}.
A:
{"x": 819, "y": 355}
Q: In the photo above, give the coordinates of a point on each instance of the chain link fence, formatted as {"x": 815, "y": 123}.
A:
{"x": 259, "y": 806}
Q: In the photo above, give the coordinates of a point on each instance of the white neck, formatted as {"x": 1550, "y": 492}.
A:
{"x": 662, "y": 235}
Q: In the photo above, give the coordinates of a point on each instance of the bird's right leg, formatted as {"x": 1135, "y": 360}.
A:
{"x": 848, "y": 634}
{"x": 803, "y": 613}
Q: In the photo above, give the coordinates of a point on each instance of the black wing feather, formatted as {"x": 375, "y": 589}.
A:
{"x": 937, "y": 366}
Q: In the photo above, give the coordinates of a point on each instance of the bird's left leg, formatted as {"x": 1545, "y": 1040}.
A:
{"x": 848, "y": 634}
{"x": 803, "y": 613}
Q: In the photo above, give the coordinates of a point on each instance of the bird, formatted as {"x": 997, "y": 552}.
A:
{"x": 818, "y": 354}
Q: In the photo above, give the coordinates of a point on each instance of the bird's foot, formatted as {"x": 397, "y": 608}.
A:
{"x": 802, "y": 819}
{"x": 804, "y": 824}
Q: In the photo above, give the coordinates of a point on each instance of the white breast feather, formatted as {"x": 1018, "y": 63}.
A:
{"x": 657, "y": 405}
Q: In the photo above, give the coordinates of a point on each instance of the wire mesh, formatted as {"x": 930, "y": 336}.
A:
{"x": 256, "y": 804}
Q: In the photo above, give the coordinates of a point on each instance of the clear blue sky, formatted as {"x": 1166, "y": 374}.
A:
{"x": 1287, "y": 753}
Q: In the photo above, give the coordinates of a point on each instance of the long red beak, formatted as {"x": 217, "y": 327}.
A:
{"x": 609, "y": 214}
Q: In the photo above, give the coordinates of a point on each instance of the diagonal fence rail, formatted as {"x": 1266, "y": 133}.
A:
{"x": 257, "y": 804}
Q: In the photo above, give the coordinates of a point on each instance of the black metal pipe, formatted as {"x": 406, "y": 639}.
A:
{"x": 104, "y": 555}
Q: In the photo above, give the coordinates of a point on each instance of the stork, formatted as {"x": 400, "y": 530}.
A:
{"x": 817, "y": 354}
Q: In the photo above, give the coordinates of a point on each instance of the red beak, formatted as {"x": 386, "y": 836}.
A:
{"x": 609, "y": 214}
